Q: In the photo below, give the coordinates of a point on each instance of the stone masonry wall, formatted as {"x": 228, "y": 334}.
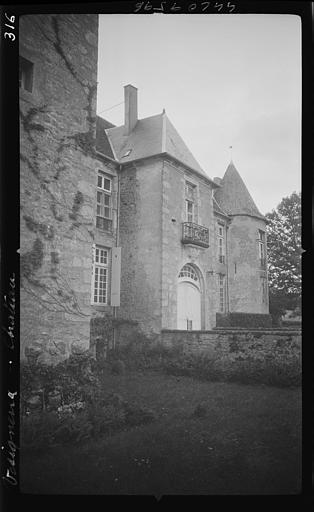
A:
{"x": 244, "y": 272}
{"x": 281, "y": 346}
{"x": 140, "y": 239}
{"x": 175, "y": 254}
{"x": 57, "y": 182}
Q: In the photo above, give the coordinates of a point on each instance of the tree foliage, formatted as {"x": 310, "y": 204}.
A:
{"x": 284, "y": 254}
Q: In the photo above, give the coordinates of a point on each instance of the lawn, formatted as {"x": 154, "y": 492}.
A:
{"x": 247, "y": 442}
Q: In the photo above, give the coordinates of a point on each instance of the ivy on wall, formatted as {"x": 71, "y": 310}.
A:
{"x": 51, "y": 288}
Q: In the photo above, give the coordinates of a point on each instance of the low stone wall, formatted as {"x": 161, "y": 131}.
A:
{"x": 282, "y": 346}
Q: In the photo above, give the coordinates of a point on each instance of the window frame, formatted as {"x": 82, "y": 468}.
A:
{"x": 221, "y": 243}
{"x": 222, "y": 292}
{"x": 189, "y": 215}
{"x": 105, "y": 192}
{"x": 262, "y": 247}
{"x": 100, "y": 266}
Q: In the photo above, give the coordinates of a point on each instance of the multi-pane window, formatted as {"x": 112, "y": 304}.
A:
{"x": 189, "y": 202}
{"x": 26, "y": 70}
{"x": 104, "y": 202}
{"x": 262, "y": 248}
{"x": 189, "y": 211}
{"x": 222, "y": 293}
{"x": 188, "y": 271}
{"x": 221, "y": 243}
{"x": 101, "y": 275}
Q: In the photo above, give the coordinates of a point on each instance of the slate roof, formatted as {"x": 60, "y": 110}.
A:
{"x": 217, "y": 208}
{"x": 233, "y": 197}
{"x": 102, "y": 142}
{"x": 150, "y": 137}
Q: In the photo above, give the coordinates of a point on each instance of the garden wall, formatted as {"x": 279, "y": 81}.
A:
{"x": 280, "y": 346}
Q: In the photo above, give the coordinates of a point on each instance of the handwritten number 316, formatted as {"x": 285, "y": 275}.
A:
{"x": 11, "y": 20}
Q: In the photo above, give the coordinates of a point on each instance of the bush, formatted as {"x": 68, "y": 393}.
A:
{"x": 140, "y": 353}
{"x": 71, "y": 406}
{"x": 245, "y": 371}
{"x": 118, "y": 367}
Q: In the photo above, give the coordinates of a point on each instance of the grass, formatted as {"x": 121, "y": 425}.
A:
{"x": 248, "y": 442}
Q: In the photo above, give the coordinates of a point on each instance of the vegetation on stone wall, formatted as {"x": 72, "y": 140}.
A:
{"x": 53, "y": 291}
{"x": 246, "y": 361}
{"x": 32, "y": 260}
{"x": 77, "y": 205}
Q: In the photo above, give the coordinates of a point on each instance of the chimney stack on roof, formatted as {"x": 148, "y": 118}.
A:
{"x": 217, "y": 180}
{"x": 130, "y": 108}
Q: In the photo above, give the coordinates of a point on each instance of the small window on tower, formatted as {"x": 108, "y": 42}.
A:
{"x": 26, "y": 71}
{"x": 262, "y": 248}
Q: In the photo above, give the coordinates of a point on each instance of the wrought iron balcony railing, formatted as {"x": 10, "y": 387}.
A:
{"x": 195, "y": 234}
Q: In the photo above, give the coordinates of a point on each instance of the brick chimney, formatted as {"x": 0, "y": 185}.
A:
{"x": 130, "y": 108}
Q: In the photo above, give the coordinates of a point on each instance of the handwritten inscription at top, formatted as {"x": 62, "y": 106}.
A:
{"x": 170, "y": 7}
{"x": 11, "y": 19}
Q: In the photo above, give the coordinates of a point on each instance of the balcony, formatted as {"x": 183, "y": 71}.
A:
{"x": 195, "y": 234}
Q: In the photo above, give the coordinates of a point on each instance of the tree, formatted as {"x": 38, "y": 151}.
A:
{"x": 284, "y": 254}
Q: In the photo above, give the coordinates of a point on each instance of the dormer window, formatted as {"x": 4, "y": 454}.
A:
{"x": 26, "y": 71}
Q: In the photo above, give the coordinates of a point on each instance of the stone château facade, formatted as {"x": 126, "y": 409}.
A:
{"x": 119, "y": 222}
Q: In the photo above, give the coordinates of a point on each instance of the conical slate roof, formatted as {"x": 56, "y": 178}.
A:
{"x": 233, "y": 196}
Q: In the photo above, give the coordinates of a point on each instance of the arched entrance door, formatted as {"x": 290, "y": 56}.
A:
{"x": 188, "y": 299}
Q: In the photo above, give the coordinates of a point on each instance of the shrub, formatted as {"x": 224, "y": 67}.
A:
{"x": 143, "y": 353}
{"x": 72, "y": 406}
{"x": 118, "y": 367}
{"x": 248, "y": 370}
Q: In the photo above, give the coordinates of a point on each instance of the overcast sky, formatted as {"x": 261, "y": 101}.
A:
{"x": 224, "y": 80}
